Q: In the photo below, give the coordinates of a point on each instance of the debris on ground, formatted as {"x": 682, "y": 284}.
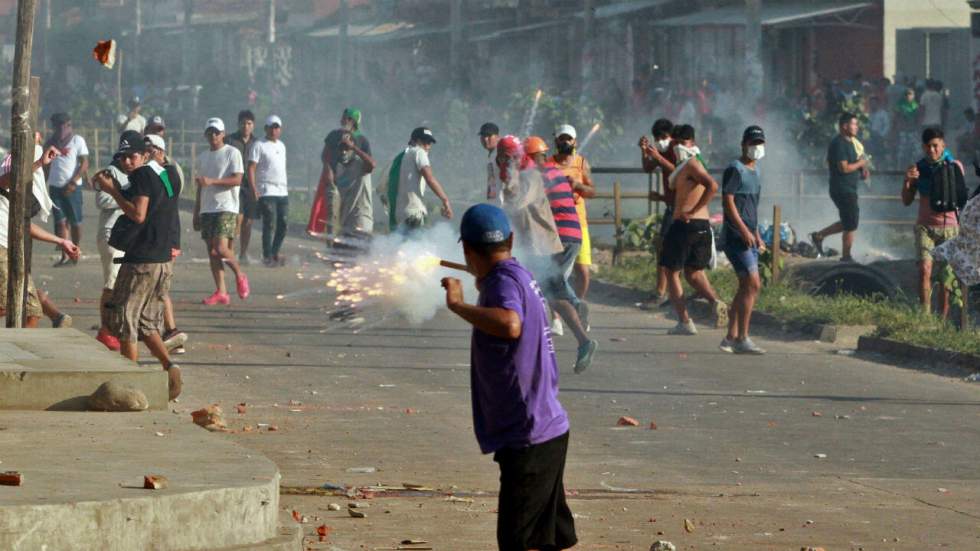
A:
{"x": 820, "y": 455}
{"x": 626, "y": 421}
{"x": 688, "y": 525}
{"x": 240, "y": 408}
{"x": 354, "y": 513}
{"x": 333, "y": 507}
{"x": 653, "y": 425}
{"x": 816, "y": 414}
{"x": 454, "y": 499}
{"x": 210, "y": 418}
{"x": 113, "y": 396}
{"x": 661, "y": 545}
{"x": 298, "y": 517}
{"x": 273, "y": 428}
{"x": 11, "y": 478}
{"x": 811, "y": 549}
{"x": 362, "y": 470}
{"x": 617, "y": 339}
{"x": 154, "y": 482}
{"x": 323, "y": 531}
{"x": 358, "y": 505}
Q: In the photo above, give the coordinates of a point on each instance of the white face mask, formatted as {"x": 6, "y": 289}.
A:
{"x": 662, "y": 145}
{"x": 756, "y": 152}
{"x": 683, "y": 153}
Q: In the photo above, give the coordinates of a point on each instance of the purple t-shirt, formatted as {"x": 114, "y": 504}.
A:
{"x": 515, "y": 382}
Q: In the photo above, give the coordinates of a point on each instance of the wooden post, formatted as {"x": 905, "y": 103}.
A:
{"x": 777, "y": 216}
{"x": 28, "y": 241}
{"x": 119, "y": 101}
{"x": 98, "y": 149}
{"x": 799, "y": 196}
{"x": 965, "y": 309}
{"x": 617, "y": 220}
{"x": 22, "y": 159}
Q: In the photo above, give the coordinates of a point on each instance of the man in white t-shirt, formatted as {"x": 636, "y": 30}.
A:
{"x": 219, "y": 173}
{"x": 267, "y": 168}
{"x": 406, "y": 204}
{"x": 64, "y": 176}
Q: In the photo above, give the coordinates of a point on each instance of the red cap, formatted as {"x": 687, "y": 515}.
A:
{"x": 510, "y": 146}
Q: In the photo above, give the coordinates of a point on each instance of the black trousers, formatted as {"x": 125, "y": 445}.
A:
{"x": 532, "y": 512}
{"x": 274, "y": 212}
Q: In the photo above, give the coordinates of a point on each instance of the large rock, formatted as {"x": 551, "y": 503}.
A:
{"x": 113, "y": 396}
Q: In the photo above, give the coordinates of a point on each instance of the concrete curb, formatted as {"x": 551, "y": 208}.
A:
{"x": 846, "y": 335}
{"x": 968, "y": 363}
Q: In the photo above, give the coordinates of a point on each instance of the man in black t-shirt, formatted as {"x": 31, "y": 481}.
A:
{"x": 248, "y": 202}
{"x": 847, "y": 168}
{"x": 350, "y": 121}
{"x": 150, "y": 220}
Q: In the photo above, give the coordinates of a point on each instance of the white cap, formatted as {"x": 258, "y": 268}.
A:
{"x": 156, "y": 141}
{"x": 566, "y": 129}
{"x": 273, "y": 119}
{"x": 216, "y": 123}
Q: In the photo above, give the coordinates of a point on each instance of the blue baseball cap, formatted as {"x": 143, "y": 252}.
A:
{"x": 484, "y": 224}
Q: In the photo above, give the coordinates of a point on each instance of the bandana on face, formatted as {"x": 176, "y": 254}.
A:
{"x": 683, "y": 153}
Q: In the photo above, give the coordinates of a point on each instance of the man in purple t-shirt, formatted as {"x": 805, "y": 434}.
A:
{"x": 514, "y": 380}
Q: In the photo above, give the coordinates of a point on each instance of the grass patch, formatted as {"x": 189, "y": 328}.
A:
{"x": 896, "y": 319}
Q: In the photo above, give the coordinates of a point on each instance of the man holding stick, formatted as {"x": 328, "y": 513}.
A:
{"x": 514, "y": 380}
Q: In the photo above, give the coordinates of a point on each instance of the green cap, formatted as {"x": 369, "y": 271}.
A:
{"x": 355, "y": 115}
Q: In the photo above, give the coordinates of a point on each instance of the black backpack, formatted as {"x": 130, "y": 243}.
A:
{"x": 948, "y": 192}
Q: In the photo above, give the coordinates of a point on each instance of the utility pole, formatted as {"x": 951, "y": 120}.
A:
{"x": 137, "y": 38}
{"x": 343, "y": 53}
{"x": 272, "y": 21}
{"x": 455, "y": 39}
{"x": 754, "y": 73}
{"x": 186, "y": 43}
{"x": 22, "y": 159}
{"x": 587, "y": 44}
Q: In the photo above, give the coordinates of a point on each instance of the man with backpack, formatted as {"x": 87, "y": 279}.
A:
{"x": 938, "y": 180}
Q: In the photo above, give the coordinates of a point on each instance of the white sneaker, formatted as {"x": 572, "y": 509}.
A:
{"x": 748, "y": 347}
{"x": 684, "y": 328}
{"x": 727, "y": 345}
{"x": 557, "y": 327}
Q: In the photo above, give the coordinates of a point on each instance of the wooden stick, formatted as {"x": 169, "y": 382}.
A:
{"x": 454, "y": 266}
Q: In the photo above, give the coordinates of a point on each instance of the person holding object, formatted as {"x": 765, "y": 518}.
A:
{"x": 514, "y": 385}
{"x": 146, "y": 233}
{"x": 352, "y": 179}
{"x": 847, "y": 168}
{"x": 660, "y": 154}
{"x": 741, "y": 187}
{"x": 36, "y": 302}
{"x": 936, "y": 222}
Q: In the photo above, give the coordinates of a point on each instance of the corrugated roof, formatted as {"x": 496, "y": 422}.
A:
{"x": 770, "y": 15}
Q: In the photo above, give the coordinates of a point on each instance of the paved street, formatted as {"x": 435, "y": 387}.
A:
{"x": 805, "y": 446}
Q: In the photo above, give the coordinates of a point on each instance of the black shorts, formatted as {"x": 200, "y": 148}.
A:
{"x": 847, "y": 207}
{"x": 687, "y": 245}
{"x": 532, "y": 512}
{"x": 248, "y": 205}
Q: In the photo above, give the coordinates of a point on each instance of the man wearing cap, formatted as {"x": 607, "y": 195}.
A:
{"x": 64, "y": 175}
{"x": 555, "y": 277}
{"x": 410, "y": 173}
{"x": 156, "y": 126}
{"x": 325, "y": 204}
{"x": 267, "y": 168}
{"x": 133, "y": 120}
{"x": 146, "y": 233}
{"x": 514, "y": 383}
{"x": 577, "y": 168}
{"x": 741, "y": 186}
{"x": 248, "y": 197}
{"x": 173, "y": 338}
{"x": 219, "y": 173}
{"x": 489, "y": 136}
{"x": 127, "y": 158}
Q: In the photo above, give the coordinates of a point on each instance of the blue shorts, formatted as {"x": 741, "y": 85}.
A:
{"x": 67, "y": 206}
{"x": 745, "y": 260}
